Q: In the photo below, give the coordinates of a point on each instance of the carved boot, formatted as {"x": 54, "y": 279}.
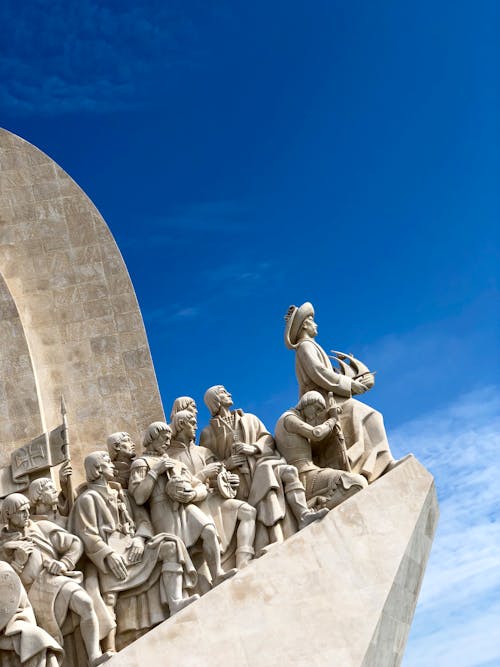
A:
{"x": 243, "y": 556}
{"x": 297, "y": 500}
{"x": 223, "y": 576}
{"x": 171, "y": 574}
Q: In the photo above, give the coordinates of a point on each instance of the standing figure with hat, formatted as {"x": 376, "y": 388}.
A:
{"x": 360, "y": 444}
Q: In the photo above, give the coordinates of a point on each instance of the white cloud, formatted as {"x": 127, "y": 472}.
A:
{"x": 456, "y": 623}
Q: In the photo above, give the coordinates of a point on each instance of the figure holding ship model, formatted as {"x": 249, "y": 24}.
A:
{"x": 359, "y": 442}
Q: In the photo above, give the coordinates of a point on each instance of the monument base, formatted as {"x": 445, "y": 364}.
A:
{"x": 342, "y": 592}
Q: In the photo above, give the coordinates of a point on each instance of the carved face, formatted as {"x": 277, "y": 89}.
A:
{"x": 48, "y": 495}
{"x": 313, "y": 413}
{"x": 225, "y": 398}
{"x": 190, "y": 427}
{"x": 20, "y": 518}
{"x": 161, "y": 443}
{"x": 107, "y": 468}
{"x": 125, "y": 448}
{"x": 310, "y": 327}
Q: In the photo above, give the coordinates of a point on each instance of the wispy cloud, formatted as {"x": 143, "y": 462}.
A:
{"x": 61, "y": 57}
{"x": 456, "y": 623}
{"x": 232, "y": 280}
{"x": 203, "y": 220}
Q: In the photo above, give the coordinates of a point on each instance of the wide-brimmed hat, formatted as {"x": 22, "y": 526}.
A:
{"x": 294, "y": 320}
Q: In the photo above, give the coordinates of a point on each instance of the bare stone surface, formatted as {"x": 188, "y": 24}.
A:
{"x": 341, "y": 592}
{"x": 70, "y": 317}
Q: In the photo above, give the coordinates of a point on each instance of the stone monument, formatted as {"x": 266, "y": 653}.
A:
{"x": 310, "y": 537}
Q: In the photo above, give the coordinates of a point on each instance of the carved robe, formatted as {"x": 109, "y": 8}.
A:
{"x": 223, "y": 511}
{"x": 261, "y": 484}
{"x": 106, "y": 518}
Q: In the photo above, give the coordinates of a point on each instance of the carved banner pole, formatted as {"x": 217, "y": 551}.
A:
{"x": 66, "y": 452}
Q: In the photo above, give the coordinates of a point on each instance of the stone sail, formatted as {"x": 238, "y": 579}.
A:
{"x": 70, "y": 306}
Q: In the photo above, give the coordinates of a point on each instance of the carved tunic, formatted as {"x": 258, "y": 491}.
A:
{"x": 49, "y": 594}
{"x": 223, "y": 511}
{"x": 187, "y": 521}
{"x": 363, "y": 427}
{"x": 261, "y": 484}
{"x": 295, "y": 439}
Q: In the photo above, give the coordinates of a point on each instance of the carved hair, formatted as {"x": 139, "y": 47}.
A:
{"x": 115, "y": 439}
{"x": 178, "y": 421}
{"x": 12, "y": 504}
{"x": 92, "y": 464}
{"x": 212, "y": 400}
{"x": 153, "y": 431}
{"x": 181, "y": 403}
{"x": 36, "y": 488}
{"x": 309, "y": 398}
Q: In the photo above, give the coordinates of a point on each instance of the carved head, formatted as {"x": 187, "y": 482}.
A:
{"x": 217, "y": 396}
{"x": 157, "y": 437}
{"x": 16, "y": 510}
{"x": 42, "y": 492}
{"x": 312, "y": 406}
{"x": 299, "y": 321}
{"x": 98, "y": 465}
{"x": 184, "y": 422}
{"x": 183, "y": 403}
{"x": 120, "y": 446}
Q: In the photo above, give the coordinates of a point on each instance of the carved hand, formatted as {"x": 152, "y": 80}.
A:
{"x": 180, "y": 490}
{"x": 211, "y": 470}
{"x": 235, "y": 460}
{"x": 163, "y": 465}
{"x": 136, "y": 550}
{"x": 116, "y": 564}
{"x": 358, "y": 387}
{"x": 23, "y": 549}
{"x": 56, "y": 567}
{"x": 65, "y": 471}
{"x": 234, "y": 480}
{"x": 246, "y": 450}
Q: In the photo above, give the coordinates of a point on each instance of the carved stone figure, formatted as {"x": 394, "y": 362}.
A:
{"x": 129, "y": 558}
{"x": 19, "y": 632}
{"x": 367, "y": 448}
{"x": 300, "y": 434}
{"x": 242, "y": 442}
{"x": 44, "y": 556}
{"x": 173, "y": 493}
{"x": 232, "y": 517}
{"x": 183, "y": 403}
{"x": 121, "y": 450}
{"x": 44, "y": 501}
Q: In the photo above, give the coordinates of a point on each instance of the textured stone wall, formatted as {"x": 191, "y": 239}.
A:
{"x": 76, "y": 311}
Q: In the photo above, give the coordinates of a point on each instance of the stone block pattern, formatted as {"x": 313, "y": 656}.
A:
{"x": 341, "y": 592}
{"x": 77, "y": 309}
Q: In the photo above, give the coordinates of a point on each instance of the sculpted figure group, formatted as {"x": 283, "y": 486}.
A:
{"x": 149, "y": 532}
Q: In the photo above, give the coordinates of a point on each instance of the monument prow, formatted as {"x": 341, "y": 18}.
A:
{"x": 341, "y": 592}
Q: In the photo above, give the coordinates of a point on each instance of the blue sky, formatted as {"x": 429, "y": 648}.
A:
{"x": 247, "y": 156}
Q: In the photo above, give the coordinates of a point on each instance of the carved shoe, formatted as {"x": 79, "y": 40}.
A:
{"x": 310, "y": 516}
{"x": 225, "y": 575}
{"x": 177, "y": 605}
{"x": 102, "y": 658}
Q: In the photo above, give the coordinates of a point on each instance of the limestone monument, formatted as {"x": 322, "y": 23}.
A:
{"x": 311, "y": 539}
